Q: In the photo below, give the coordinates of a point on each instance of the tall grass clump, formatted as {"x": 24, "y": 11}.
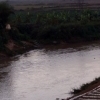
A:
{"x": 86, "y": 86}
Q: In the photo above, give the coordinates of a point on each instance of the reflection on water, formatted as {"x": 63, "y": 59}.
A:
{"x": 48, "y": 74}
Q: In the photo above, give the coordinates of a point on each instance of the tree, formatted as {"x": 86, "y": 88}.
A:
{"x": 5, "y": 11}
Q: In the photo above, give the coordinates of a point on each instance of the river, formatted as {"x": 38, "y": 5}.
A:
{"x": 49, "y": 73}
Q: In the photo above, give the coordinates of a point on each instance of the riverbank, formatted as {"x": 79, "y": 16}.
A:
{"x": 17, "y": 41}
{"x": 85, "y": 88}
{"x": 12, "y": 48}
{"x": 49, "y": 28}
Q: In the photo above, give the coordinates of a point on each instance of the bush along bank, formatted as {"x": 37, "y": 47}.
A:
{"x": 51, "y": 34}
{"x": 87, "y": 86}
{"x": 13, "y": 42}
{"x": 62, "y": 32}
{"x": 61, "y": 25}
{"x": 48, "y": 27}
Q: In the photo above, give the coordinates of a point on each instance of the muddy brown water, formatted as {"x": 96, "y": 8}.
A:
{"x": 49, "y": 73}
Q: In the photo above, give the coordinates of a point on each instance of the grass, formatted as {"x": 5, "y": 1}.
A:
{"x": 86, "y": 86}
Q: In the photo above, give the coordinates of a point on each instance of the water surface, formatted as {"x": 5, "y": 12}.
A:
{"x": 49, "y": 73}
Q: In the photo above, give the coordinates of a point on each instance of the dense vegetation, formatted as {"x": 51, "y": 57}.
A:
{"x": 48, "y": 26}
{"x": 57, "y": 16}
{"x": 86, "y": 87}
{"x": 59, "y": 25}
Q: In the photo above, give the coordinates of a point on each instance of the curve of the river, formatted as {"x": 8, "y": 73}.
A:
{"x": 48, "y": 74}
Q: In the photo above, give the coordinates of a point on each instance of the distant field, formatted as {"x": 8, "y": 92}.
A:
{"x": 56, "y": 6}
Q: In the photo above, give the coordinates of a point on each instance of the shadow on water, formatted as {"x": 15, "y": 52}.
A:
{"x": 3, "y": 75}
{"x": 4, "y": 68}
{"x": 72, "y": 47}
